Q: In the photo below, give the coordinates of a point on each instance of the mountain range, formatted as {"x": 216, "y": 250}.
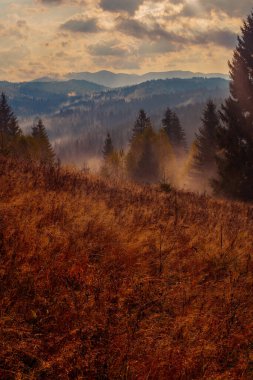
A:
{"x": 113, "y": 80}
{"x": 49, "y": 97}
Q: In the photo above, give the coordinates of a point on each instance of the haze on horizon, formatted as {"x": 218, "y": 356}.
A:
{"x": 55, "y": 37}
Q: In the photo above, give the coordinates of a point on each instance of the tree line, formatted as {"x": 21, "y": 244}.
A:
{"x": 222, "y": 153}
{"x": 13, "y": 143}
{"x": 161, "y": 155}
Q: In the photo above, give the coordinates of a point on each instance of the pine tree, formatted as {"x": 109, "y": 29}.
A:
{"x": 108, "y": 147}
{"x": 147, "y": 169}
{"x": 204, "y": 159}
{"x": 235, "y": 136}
{"x": 143, "y": 157}
{"x": 142, "y": 122}
{"x": 45, "y": 151}
{"x": 9, "y": 129}
{"x": 174, "y": 130}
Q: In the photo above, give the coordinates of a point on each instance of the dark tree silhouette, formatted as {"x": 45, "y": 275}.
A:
{"x": 44, "y": 148}
{"x": 9, "y": 128}
{"x": 142, "y": 122}
{"x": 174, "y": 130}
{"x": 143, "y": 157}
{"x": 108, "y": 148}
{"x": 147, "y": 169}
{"x": 235, "y": 136}
{"x": 204, "y": 159}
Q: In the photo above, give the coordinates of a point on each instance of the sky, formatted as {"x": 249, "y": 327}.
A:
{"x": 55, "y": 37}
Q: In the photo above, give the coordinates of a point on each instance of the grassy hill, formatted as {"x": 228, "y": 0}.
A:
{"x": 103, "y": 280}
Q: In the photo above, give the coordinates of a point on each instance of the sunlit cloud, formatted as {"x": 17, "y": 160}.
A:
{"x": 38, "y": 37}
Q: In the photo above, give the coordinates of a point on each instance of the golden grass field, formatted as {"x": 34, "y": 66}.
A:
{"x": 105, "y": 280}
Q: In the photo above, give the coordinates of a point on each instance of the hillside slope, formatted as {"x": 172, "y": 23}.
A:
{"x": 33, "y": 98}
{"x": 108, "y": 281}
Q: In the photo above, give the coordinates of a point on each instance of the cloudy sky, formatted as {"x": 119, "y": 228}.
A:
{"x": 45, "y": 37}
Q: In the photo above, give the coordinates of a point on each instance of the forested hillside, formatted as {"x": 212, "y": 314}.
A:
{"x": 86, "y": 122}
{"x": 44, "y": 98}
{"x": 79, "y": 114}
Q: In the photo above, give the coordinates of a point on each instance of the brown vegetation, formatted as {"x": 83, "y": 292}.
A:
{"x": 108, "y": 281}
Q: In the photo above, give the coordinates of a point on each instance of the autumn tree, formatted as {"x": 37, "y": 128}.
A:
{"x": 143, "y": 159}
{"x": 44, "y": 150}
{"x": 113, "y": 163}
{"x": 172, "y": 127}
{"x": 235, "y": 136}
{"x": 147, "y": 169}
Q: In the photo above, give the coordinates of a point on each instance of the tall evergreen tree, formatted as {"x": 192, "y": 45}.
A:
{"x": 143, "y": 157}
{"x": 204, "y": 159}
{"x": 142, "y": 122}
{"x": 9, "y": 128}
{"x": 174, "y": 130}
{"x": 235, "y": 136}
{"x": 44, "y": 148}
{"x": 108, "y": 148}
{"x": 147, "y": 168}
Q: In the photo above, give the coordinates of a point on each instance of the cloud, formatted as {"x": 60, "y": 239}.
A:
{"x": 153, "y": 31}
{"x": 144, "y": 35}
{"x": 13, "y": 55}
{"x": 163, "y": 41}
{"x": 110, "y": 48}
{"x": 129, "y": 6}
{"x": 61, "y": 2}
{"x": 116, "y": 63}
{"x": 81, "y": 26}
{"x": 224, "y": 38}
{"x": 232, "y": 8}
{"x": 17, "y": 30}
{"x": 149, "y": 48}
{"x": 52, "y": 2}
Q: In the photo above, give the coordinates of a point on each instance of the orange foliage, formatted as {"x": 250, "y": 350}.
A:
{"x": 102, "y": 280}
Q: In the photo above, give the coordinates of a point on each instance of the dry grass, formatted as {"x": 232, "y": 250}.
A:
{"x": 112, "y": 281}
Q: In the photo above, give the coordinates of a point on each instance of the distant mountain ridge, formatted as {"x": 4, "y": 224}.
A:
{"x": 38, "y": 98}
{"x": 114, "y": 80}
{"x": 45, "y": 97}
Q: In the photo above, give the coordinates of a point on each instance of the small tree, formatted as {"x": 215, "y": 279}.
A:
{"x": 174, "y": 130}
{"x": 108, "y": 148}
{"x": 113, "y": 165}
{"x": 44, "y": 150}
{"x": 142, "y": 122}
